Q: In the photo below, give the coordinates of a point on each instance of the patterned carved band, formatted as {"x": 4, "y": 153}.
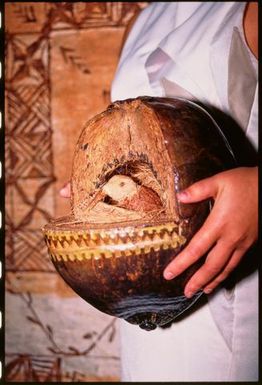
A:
{"x": 116, "y": 242}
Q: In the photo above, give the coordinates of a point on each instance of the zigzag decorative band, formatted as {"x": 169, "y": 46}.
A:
{"x": 69, "y": 245}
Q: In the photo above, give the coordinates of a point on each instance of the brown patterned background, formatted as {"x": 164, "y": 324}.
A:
{"x": 60, "y": 61}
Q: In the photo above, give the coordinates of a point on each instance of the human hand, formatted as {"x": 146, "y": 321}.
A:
{"x": 65, "y": 191}
{"x": 228, "y": 232}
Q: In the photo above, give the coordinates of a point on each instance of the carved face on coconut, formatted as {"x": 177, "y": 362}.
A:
{"x": 130, "y": 161}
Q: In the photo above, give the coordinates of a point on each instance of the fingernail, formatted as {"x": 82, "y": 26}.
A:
{"x": 168, "y": 275}
{"x": 207, "y": 291}
{"x": 182, "y": 195}
{"x": 63, "y": 191}
{"x": 189, "y": 293}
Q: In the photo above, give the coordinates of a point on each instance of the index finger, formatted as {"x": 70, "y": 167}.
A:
{"x": 202, "y": 241}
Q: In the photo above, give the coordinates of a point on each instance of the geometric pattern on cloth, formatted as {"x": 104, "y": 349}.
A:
{"x": 32, "y": 319}
{"x": 29, "y": 252}
{"x": 25, "y": 368}
{"x": 29, "y": 157}
{"x": 29, "y": 153}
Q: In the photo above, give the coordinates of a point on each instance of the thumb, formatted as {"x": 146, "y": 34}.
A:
{"x": 204, "y": 189}
{"x": 65, "y": 191}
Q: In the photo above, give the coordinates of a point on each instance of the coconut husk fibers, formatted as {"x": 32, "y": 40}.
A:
{"x": 126, "y": 222}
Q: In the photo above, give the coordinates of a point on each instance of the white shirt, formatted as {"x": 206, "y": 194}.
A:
{"x": 189, "y": 49}
{"x": 186, "y": 43}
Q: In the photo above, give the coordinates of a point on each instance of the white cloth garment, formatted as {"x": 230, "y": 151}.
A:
{"x": 186, "y": 49}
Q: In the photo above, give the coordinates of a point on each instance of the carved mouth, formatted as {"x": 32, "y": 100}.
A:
{"x": 70, "y": 243}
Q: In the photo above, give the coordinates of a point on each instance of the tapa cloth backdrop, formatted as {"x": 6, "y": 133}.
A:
{"x": 60, "y": 60}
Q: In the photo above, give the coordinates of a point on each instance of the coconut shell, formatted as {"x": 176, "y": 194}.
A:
{"x": 126, "y": 222}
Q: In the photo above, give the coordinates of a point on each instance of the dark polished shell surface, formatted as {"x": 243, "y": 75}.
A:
{"x": 114, "y": 257}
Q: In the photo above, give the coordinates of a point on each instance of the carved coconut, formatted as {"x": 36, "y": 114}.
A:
{"x": 126, "y": 223}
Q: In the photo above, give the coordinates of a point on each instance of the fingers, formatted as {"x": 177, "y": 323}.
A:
{"x": 199, "y": 191}
{"x": 215, "y": 262}
{"x": 231, "y": 265}
{"x": 65, "y": 191}
{"x": 228, "y": 232}
{"x": 197, "y": 247}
